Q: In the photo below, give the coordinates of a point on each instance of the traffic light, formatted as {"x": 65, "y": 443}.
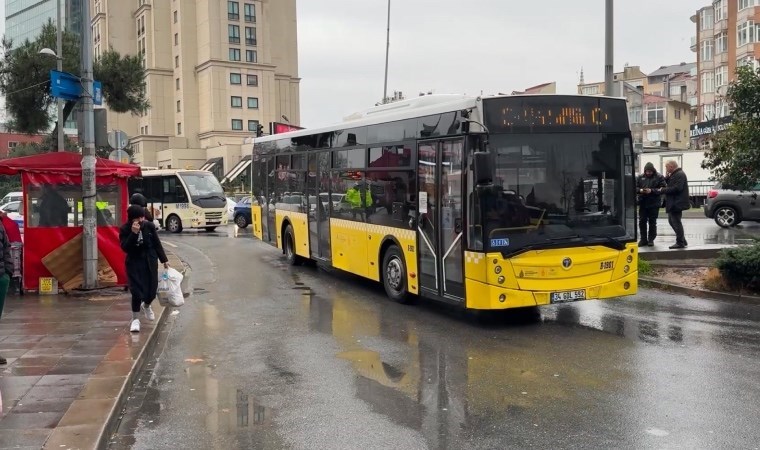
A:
{"x": 259, "y": 130}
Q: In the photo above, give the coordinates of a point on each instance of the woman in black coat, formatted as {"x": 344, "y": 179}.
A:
{"x": 139, "y": 240}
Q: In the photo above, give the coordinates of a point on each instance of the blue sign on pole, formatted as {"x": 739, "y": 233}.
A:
{"x": 97, "y": 93}
{"x": 65, "y": 85}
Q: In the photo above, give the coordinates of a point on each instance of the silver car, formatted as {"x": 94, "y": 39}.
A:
{"x": 729, "y": 207}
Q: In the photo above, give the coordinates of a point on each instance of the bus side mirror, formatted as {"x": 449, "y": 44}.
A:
{"x": 482, "y": 168}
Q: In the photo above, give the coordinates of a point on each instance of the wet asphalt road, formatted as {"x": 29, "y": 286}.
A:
{"x": 266, "y": 356}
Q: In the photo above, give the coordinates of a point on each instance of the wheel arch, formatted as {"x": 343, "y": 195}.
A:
{"x": 387, "y": 242}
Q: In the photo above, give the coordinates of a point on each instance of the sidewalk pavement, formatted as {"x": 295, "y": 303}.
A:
{"x": 71, "y": 363}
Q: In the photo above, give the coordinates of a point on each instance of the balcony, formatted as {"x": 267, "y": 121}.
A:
{"x": 694, "y": 43}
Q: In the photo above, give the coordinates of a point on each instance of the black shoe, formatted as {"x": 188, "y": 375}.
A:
{"x": 650, "y": 244}
{"x": 676, "y": 246}
{"x": 642, "y": 243}
{"x": 3, "y": 360}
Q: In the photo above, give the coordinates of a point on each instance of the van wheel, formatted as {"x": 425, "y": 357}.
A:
{"x": 394, "y": 275}
{"x": 173, "y": 224}
{"x": 726, "y": 217}
{"x": 289, "y": 247}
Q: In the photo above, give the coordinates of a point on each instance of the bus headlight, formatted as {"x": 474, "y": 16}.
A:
{"x": 629, "y": 259}
{"x": 501, "y": 279}
{"x": 626, "y": 269}
{"x": 502, "y": 298}
{"x": 497, "y": 270}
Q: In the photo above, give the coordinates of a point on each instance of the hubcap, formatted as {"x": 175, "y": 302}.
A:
{"x": 726, "y": 216}
{"x": 241, "y": 221}
{"x": 173, "y": 224}
{"x": 393, "y": 273}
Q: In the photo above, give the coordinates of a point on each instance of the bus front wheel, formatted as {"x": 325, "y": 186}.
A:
{"x": 173, "y": 224}
{"x": 394, "y": 275}
{"x": 289, "y": 247}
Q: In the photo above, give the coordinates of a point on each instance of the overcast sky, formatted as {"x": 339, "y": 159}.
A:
{"x": 462, "y": 46}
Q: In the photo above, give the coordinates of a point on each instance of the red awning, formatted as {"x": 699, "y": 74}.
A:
{"x": 65, "y": 163}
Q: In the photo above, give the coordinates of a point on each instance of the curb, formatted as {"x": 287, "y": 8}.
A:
{"x": 698, "y": 253}
{"x": 701, "y": 293}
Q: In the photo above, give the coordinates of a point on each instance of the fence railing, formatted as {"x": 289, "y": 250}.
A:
{"x": 698, "y": 191}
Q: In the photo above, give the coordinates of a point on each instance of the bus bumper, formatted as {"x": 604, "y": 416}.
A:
{"x": 489, "y": 297}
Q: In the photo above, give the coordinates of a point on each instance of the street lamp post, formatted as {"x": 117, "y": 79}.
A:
{"x": 387, "y": 51}
{"x": 59, "y": 66}
{"x": 608, "y": 48}
{"x": 90, "y": 241}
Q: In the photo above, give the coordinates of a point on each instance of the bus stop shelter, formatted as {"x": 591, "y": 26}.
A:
{"x": 53, "y": 222}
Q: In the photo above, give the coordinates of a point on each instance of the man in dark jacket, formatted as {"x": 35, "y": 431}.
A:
{"x": 676, "y": 200}
{"x": 649, "y": 203}
{"x": 6, "y": 271}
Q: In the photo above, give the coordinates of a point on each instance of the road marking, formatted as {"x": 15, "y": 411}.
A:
{"x": 170, "y": 244}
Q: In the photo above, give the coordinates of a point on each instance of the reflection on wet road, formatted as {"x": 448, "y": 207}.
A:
{"x": 267, "y": 356}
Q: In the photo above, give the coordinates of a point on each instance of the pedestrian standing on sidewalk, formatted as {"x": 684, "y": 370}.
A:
{"x": 676, "y": 200}
{"x": 139, "y": 240}
{"x": 649, "y": 203}
{"x": 5, "y": 279}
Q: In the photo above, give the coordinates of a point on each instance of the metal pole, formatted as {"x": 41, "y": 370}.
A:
{"x": 59, "y": 66}
{"x": 90, "y": 242}
{"x": 608, "y": 48}
{"x": 387, "y": 51}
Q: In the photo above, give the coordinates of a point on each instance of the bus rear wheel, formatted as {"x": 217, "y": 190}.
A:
{"x": 173, "y": 224}
{"x": 394, "y": 275}
{"x": 289, "y": 247}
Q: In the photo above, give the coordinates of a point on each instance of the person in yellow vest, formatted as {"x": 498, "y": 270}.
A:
{"x": 360, "y": 199}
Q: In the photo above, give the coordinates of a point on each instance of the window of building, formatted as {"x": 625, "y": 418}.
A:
{"x": 176, "y": 61}
{"x": 721, "y": 108}
{"x": 655, "y": 113}
{"x": 251, "y": 56}
{"x": 250, "y": 35}
{"x": 252, "y": 80}
{"x": 253, "y": 125}
{"x": 250, "y": 12}
{"x": 179, "y": 128}
{"x": 237, "y": 124}
{"x": 708, "y": 83}
{"x": 179, "y": 104}
{"x": 721, "y": 43}
{"x": 12, "y": 144}
{"x": 708, "y": 111}
{"x": 635, "y": 115}
{"x": 176, "y": 38}
{"x": 655, "y": 135}
{"x": 234, "y": 54}
{"x": 677, "y": 114}
{"x": 176, "y": 82}
{"x": 236, "y": 102}
{"x": 746, "y": 33}
{"x": 721, "y": 76}
{"x": 675, "y": 90}
{"x": 707, "y": 50}
{"x": 720, "y": 10}
{"x": 233, "y": 11}
{"x": 706, "y": 19}
{"x": 235, "y": 78}
{"x": 234, "y": 34}
{"x": 590, "y": 90}
{"x": 253, "y": 103}
{"x": 747, "y": 3}
{"x": 175, "y": 16}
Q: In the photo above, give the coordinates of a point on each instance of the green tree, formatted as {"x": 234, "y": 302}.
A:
{"x": 25, "y": 80}
{"x": 734, "y": 158}
{"x": 47, "y": 143}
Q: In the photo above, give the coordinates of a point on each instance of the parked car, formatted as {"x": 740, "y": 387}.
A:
{"x": 14, "y": 210}
{"x": 231, "y": 203}
{"x": 242, "y": 214}
{"x": 12, "y": 197}
{"x": 729, "y": 207}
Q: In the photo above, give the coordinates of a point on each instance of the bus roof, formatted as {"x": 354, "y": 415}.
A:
{"x": 409, "y": 109}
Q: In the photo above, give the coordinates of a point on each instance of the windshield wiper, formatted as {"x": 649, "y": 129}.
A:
{"x": 617, "y": 244}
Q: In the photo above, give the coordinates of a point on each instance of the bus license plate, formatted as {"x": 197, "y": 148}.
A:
{"x": 568, "y": 296}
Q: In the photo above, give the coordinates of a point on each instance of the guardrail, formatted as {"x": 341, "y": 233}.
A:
{"x": 698, "y": 191}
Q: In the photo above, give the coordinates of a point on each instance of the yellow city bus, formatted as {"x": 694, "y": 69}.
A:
{"x": 485, "y": 202}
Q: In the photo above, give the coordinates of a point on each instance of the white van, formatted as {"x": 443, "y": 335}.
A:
{"x": 12, "y": 197}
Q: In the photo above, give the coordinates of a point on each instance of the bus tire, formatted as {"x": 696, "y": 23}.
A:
{"x": 289, "y": 247}
{"x": 394, "y": 275}
{"x": 173, "y": 224}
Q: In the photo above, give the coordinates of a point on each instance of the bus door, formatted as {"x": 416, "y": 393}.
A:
{"x": 318, "y": 193}
{"x": 439, "y": 221}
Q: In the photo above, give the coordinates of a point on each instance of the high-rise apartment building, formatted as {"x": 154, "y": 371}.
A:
{"x": 727, "y": 37}
{"x": 216, "y": 69}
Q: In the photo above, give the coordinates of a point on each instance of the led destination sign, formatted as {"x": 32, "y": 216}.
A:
{"x": 525, "y": 114}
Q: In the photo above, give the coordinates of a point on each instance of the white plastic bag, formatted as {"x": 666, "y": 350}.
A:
{"x": 170, "y": 288}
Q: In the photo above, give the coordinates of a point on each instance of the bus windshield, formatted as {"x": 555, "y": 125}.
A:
{"x": 555, "y": 189}
{"x": 202, "y": 185}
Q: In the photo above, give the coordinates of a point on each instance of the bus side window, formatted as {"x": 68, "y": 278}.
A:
{"x": 152, "y": 186}
{"x": 170, "y": 189}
